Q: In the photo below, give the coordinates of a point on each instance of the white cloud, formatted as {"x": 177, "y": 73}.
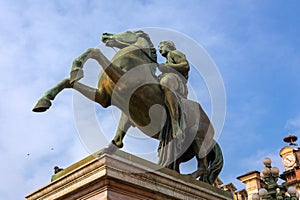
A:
{"x": 255, "y": 161}
{"x": 293, "y": 125}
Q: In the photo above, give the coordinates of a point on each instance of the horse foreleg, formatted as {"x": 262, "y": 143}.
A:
{"x": 98, "y": 95}
{"x": 124, "y": 125}
{"x": 202, "y": 168}
{"x": 111, "y": 70}
{"x": 44, "y": 102}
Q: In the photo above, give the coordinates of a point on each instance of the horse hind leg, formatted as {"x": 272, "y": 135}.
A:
{"x": 202, "y": 168}
{"x": 44, "y": 102}
{"x": 215, "y": 160}
{"x": 117, "y": 142}
{"x": 202, "y": 164}
{"x": 124, "y": 125}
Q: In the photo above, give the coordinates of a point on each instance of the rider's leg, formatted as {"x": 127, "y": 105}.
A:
{"x": 169, "y": 85}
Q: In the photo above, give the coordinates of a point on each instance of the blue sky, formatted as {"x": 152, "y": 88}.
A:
{"x": 254, "y": 44}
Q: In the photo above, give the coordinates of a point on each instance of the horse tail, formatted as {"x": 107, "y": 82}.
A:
{"x": 215, "y": 161}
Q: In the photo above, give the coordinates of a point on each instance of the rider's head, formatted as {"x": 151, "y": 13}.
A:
{"x": 165, "y": 47}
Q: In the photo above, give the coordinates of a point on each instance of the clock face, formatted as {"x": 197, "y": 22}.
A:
{"x": 289, "y": 160}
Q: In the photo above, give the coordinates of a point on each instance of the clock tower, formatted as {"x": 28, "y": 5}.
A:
{"x": 291, "y": 161}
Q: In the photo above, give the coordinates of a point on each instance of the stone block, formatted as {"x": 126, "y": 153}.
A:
{"x": 123, "y": 176}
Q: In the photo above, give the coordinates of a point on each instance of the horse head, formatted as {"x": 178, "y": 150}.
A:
{"x": 137, "y": 39}
{"x": 121, "y": 40}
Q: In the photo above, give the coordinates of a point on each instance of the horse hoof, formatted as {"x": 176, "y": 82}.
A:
{"x": 76, "y": 75}
{"x": 194, "y": 175}
{"x": 199, "y": 173}
{"x": 111, "y": 149}
{"x": 42, "y": 105}
{"x": 117, "y": 144}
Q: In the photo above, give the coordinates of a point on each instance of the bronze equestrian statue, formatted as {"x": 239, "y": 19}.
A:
{"x": 128, "y": 81}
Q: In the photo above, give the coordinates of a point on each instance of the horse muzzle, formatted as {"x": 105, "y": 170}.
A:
{"x": 106, "y": 37}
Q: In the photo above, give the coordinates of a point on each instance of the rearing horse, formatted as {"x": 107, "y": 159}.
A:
{"x": 128, "y": 81}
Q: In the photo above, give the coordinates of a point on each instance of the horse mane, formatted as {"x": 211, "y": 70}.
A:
{"x": 153, "y": 53}
{"x": 147, "y": 38}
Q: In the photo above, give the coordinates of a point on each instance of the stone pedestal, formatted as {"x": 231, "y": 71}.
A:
{"x": 123, "y": 176}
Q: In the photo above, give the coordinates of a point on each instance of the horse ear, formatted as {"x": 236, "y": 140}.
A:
{"x": 139, "y": 32}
